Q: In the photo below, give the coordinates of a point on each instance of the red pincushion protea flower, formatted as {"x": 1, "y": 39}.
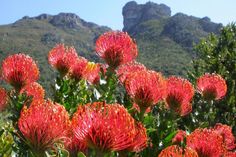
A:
{"x": 179, "y": 95}
{"x": 3, "y": 99}
{"x": 212, "y": 86}
{"x": 126, "y": 69}
{"x": 34, "y": 90}
{"x": 19, "y": 70}
{"x": 107, "y": 127}
{"x": 176, "y": 151}
{"x": 92, "y": 72}
{"x": 77, "y": 70}
{"x": 206, "y": 142}
{"x": 226, "y": 132}
{"x": 146, "y": 88}
{"x": 179, "y": 137}
{"x": 116, "y": 48}
{"x": 62, "y": 58}
{"x": 43, "y": 124}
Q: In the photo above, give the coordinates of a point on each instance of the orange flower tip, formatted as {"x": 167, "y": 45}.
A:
{"x": 116, "y": 48}
{"x": 19, "y": 70}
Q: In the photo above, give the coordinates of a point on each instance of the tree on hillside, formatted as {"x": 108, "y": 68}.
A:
{"x": 217, "y": 54}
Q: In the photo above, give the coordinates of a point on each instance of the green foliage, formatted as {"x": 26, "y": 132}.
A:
{"x": 217, "y": 54}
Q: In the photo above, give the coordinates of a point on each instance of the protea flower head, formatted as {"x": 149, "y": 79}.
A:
{"x": 146, "y": 88}
{"x": 34, "y": 90}
{"x": 43, "y": 124}
{"x": 116, "y": 48}
{"x": 226, "y": 132}
{"x": 129, "y": 68}
{"x": 19, "y": 70}
{"x": 206, "y": 142}
{"x": 212, "y": 86}
{"x": 176, "y": 151}
{"x": 62, "y": 58}
{"x": 179, "y": 95}
{"x": 179, "y": 137}
{"x": 92, "y": 72}
{"x": 77, "y": 70}
{"x": 3, "y": 99}
{"x": 108, "y": 127}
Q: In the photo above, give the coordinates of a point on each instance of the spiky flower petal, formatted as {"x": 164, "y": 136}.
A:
{"x": 226, "y": 132}
{"x": 77, "y": 70}
{"x": 3, "y": 99}
{"x": 107, "y": 127}
{"x": 179, "y": 95}
{"x": 176, "y": 151}
{"x": 146, "y": 88}
{"x": 43, "y": 124}
{"x": 126, "y": 69}
{"x": 19, "y": 70}
{"x": 35, "y": 90}
{"x": 116, "y": 48}
{"x": 62, "y": 58}
{"x": 212, "y": 86}
{"x": 206, "y": 142}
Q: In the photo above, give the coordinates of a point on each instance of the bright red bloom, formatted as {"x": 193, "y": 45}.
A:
{"x": 206, "y": 142}
{"x": 3, "y": 99}
{"x": 116, "y": 48}
{"x": 176, "y": 151}
{"x": 92, "y": 72}
{"x": 19, "y": 70}
{"x": 108, "y": 127}
{"x": 62, "y": 58}
{"x": 212, "y": 86}
{"x": 126, "y": 69}
{"x": 34, "y": 90}
{"x": 179, "y": 95}
{"x": 226, "y": 132}
{"x": 230, "y": 154}
{"x": 43, "y": 124}
{"x": 77, "y": 70}
{"x": 146, "y": 88}
{"x": 179, "y": 137}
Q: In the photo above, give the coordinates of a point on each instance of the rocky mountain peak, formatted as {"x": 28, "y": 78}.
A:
{"x": 134, "y": 13}
{"x": 66, "y": 20}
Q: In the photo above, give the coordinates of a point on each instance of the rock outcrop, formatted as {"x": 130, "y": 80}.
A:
{"x": 134, "y": 13}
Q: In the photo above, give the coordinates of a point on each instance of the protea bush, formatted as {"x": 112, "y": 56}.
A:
{"x": 115, "y": 108}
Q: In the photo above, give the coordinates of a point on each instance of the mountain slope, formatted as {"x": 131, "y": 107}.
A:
{"x": 36, "y": 36}
{"x": 165, "y": 42}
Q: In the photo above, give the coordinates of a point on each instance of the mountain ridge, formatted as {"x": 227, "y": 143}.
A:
{"x": 165, "y": 42}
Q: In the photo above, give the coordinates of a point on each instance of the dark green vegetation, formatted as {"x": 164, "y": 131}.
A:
{"x": 165, "y": 42}
{"x": 217, "y": 54}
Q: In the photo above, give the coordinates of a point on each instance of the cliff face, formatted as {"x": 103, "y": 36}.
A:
{"x": 134, "y": 13}
{"x": 165, "y": 41}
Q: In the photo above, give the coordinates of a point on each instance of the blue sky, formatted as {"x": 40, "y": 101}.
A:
{"x": 108, "y": 12}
